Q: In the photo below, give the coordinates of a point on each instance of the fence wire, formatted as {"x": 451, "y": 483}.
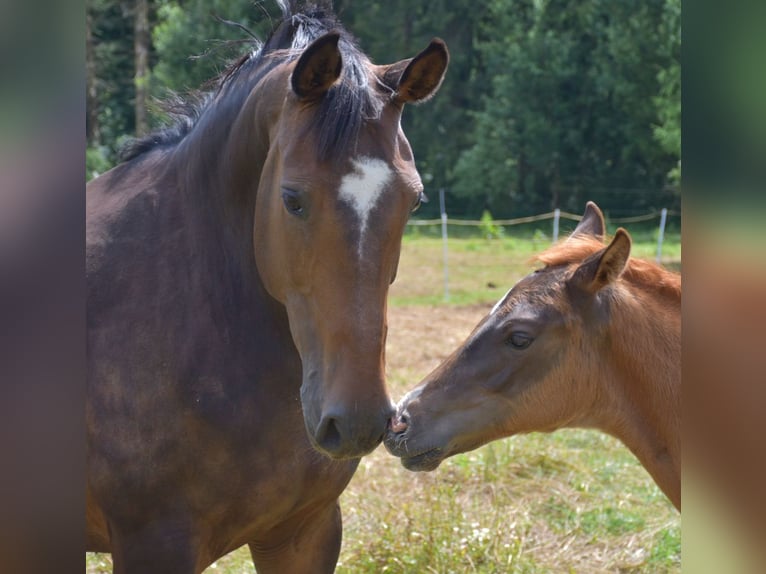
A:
{"x": 534, "y": 218}
{"x": 556, "y": 215}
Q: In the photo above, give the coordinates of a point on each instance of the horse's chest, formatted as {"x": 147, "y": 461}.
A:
{"x": 252, "y": 483}
{"x": 237, "y": 453}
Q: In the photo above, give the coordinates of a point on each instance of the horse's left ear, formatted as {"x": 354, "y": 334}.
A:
{"x": 318, "y": 68}
{"x": 419, "y": 78}
{"x": 605, "y": 266}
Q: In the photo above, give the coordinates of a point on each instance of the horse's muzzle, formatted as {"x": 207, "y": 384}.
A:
{"x": 342, "y": 435}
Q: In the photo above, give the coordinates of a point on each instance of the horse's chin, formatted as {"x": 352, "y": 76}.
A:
{"x": 425, "y": 461}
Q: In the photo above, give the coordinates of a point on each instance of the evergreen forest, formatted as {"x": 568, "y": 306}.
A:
{"x": 547, "y": 103}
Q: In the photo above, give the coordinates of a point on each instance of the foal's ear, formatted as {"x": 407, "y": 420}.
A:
{"x": 592, "y": 222}
{"x": 419, "y": 78}
{"x": 318, "y": 68}
{"x": 605, "y": 266}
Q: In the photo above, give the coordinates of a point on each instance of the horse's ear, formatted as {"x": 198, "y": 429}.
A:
{"x": 604, "y": 267}
{"x": 318, "y": 68}
{"x": 592, "y": 222}
{"x": 419, "y": 78}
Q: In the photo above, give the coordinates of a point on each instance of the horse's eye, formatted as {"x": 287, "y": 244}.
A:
{"x": 422, "y": 198}
{"x": 520, "y": 340}
{"x": 292, "y": 201}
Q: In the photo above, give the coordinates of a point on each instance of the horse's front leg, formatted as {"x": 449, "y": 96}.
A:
{"x": 157, "y": 547}
{"x": 311, "y": 545}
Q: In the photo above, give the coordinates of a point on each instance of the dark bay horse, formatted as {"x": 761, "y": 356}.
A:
{"x": 238, "y": 266}
{"x": 593, "y": 339}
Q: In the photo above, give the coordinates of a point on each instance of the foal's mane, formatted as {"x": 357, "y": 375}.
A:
{"x": 646, "y": 274}
{"x": 340, "y": 113}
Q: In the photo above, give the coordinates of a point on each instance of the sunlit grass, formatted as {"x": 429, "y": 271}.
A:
{"x": 527, "y": 504}
{"x": 533, "y": 504}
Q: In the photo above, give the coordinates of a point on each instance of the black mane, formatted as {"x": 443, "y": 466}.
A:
{"x": 340, "y": 114}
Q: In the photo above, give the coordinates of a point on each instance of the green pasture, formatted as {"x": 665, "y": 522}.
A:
{"x": 571, "y": 501}
{"x": 482, "y": 264}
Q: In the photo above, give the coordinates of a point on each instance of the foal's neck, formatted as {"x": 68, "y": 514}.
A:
{"x": 646, "y": 386}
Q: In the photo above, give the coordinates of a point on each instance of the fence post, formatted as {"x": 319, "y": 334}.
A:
{"x": 444, "y": 243}
{"x": 556, "y": 215}
{"x": 661, "y": 237}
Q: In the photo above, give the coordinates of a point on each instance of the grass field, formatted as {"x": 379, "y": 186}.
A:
{"x": 571, "y": 501}
{"x": 480, "y": 269}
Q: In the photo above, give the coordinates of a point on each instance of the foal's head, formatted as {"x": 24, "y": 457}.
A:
{"x": 336, "y": 189}
{"x": 535, "y": 363}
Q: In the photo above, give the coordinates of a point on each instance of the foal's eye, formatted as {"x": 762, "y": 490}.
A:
{"x": 292, "y": 201}
{"x": 519, "y": 340}
{"x": 422, "y": 198}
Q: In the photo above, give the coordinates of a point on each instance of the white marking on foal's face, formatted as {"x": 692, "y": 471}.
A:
{"x": 500, "y": 302}
{"x": 362, "y": 187}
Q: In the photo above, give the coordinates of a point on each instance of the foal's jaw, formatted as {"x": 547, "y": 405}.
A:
{"x": 422, "y": 437}
{"x": 468, "y": 401}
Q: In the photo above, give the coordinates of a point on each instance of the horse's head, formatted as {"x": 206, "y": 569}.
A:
{"x": 532, "y": 364}
{"x": 336, "y": 190}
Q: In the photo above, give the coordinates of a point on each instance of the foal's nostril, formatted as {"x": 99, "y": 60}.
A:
{"x": 399, "y": 423}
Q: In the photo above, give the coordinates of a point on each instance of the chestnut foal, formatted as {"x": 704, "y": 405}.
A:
{"x": 593, "y": 339}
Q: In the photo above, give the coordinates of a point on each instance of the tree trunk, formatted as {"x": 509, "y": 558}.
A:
{"x": 92, "y": 129}
{"x": 141, "y": 52}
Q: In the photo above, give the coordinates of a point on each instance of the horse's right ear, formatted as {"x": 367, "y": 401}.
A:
{"x": 592, "y": 222}
{"x": 318, "y": 67}
{"x": 603, "y": 267}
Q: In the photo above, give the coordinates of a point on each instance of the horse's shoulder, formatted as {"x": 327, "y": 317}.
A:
{"x": 123, "y": 190}
{"x": 121, "y": 219}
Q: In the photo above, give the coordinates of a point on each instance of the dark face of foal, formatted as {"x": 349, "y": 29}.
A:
{"x": 491, "y": 385}
{"x": 534, "y": 363}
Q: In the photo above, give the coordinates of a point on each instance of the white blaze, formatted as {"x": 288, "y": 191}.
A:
{"x": 504, "y": 297}
{"x": 500, "y": 302}
{"x": 361, "y": 188}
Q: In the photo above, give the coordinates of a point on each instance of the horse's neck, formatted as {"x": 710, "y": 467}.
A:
{"x": 645, "y": 390}
{"x": 217, "y": 169}
{"x": 218, "y": 165}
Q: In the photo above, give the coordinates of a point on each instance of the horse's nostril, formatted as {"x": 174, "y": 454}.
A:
{"x": 328, "y": 436}
{"x": 340, "y": 436}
